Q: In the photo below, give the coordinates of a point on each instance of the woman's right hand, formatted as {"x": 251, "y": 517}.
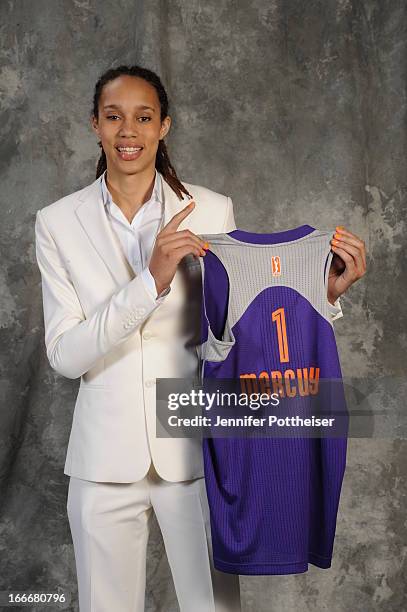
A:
{"x": 171, "y": 246}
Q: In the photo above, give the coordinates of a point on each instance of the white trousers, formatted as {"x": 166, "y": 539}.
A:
{"x": 110, "y": 524}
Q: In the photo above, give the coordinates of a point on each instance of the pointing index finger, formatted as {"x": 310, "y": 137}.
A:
{"x": 177, "y": 219}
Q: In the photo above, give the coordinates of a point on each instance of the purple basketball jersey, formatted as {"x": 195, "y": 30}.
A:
{"x": 273, "y": 501}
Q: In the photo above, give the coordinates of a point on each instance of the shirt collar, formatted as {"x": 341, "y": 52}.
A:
{"x": 156, "y": 194}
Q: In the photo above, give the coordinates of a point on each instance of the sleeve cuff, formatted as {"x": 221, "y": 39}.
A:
{"x": 335, "y": 310}
{"x": 149, "y": 283}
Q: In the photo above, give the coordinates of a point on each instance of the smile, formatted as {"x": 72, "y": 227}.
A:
{"x": 129, "y": 153}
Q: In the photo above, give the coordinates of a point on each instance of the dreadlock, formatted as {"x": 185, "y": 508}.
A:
{"x": 162, "y": 160}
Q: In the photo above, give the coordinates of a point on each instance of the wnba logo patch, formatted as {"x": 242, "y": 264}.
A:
{"x": 276, "y": 265}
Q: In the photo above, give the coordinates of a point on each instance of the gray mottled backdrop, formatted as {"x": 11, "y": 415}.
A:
{"x": 297, "y": 110}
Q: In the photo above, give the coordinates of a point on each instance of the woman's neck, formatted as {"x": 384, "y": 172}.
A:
{"x": 130, "y": 191}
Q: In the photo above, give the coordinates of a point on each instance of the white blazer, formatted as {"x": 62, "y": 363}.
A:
{"x": 103, "y": 326}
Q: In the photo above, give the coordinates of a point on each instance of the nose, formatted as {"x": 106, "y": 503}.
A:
{"x": 128, "y": 128}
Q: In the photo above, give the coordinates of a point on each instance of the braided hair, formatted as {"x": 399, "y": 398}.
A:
{"x": 162, "y": 160}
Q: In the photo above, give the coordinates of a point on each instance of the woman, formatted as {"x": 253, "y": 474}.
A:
{"x": 115, "y": 290}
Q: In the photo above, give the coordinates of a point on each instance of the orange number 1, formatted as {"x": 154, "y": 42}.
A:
{"x": 279, "y": 317}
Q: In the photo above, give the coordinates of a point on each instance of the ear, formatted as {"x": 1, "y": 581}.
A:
{"x": 94, "y": 125}
{"x": 165, "y": 127}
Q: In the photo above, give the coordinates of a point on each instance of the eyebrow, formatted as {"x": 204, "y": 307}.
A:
{"x": 141, "y": 107}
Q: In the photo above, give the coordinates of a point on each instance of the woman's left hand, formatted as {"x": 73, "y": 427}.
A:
{"x": 348, "y": 263}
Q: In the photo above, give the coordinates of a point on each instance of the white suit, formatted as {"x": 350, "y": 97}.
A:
{"x": 102, "y": 325}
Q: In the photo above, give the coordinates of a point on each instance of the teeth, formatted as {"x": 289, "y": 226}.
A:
{"x": 130, "y": 149}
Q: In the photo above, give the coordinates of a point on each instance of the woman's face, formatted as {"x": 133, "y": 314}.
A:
{"x": 129, "y": 116}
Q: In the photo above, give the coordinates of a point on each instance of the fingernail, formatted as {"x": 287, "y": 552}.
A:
{"x": 339, "y": 227}
{"x": 337, "y": 235}
{"x": 206, "y": 245}
{"x": 335, "y": 241}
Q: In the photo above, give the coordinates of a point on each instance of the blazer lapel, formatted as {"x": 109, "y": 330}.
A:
{"x": 92, "y": 216}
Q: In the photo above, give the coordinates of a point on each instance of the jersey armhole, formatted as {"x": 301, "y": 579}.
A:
{"x": 220, "y": 327}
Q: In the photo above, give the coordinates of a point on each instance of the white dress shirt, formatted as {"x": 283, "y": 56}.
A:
{"x": 137, "y": 238}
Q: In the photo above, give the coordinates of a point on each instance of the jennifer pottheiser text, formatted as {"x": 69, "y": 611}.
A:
{"x": 249, "y": 421}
